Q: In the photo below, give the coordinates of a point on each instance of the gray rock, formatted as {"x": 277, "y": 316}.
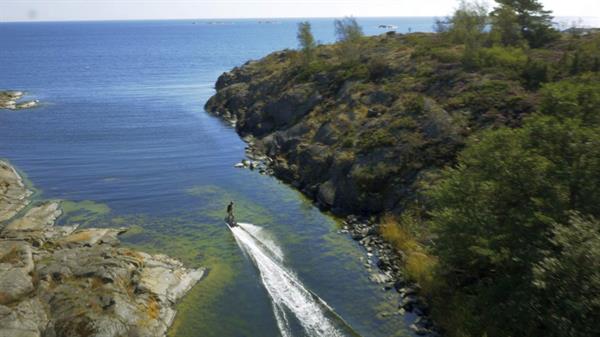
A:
{"x": 14, "y": 284}
{"x": 292, "y": 105}
{"x": 326, "y": 194}
{"x": 85, "y": 284}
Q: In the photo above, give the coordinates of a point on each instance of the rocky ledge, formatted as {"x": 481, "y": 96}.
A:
{"x": 10, "y": 100}
{"x": 65, "y": 281}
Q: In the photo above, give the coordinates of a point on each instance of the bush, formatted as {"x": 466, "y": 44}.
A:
{"x": 375, "y": 139}
{"x": 378, "y": 69}
{"x": 511, "y": 58}
{"x": 534, "y": 74}
{"x": 579, "y": 97}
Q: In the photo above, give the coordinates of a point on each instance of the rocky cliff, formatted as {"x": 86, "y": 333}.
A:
{"x": 361, "y": 133}
{"x": 65, "y": 281}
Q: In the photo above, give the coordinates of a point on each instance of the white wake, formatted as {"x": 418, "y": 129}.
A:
{"x": 287, "y": 293}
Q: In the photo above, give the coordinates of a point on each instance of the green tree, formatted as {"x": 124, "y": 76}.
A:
{"x": 306, "y": 41}
{"x": 534, "y": 22}
{"x": 348, "y": 30}
{"x": 349, "y": 35}
{"x": 494, "y": 214}
{"x": 505, "y": 27}
{"x": 468, "y": 22}
{"x": 466, "y": 26}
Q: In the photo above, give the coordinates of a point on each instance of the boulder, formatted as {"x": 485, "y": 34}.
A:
{"x": 292, "y": 105}
{"x": 326, "y": 194}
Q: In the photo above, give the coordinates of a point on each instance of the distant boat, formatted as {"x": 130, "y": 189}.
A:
{"x": 387, "y": 27}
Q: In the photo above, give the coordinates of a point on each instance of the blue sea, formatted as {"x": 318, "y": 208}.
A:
{"x": 121, "y": 135}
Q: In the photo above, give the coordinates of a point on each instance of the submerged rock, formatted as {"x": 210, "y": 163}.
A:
{"x": 60, "y": 281}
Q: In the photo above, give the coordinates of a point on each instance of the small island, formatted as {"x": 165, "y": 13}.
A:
{"x": 10, "y": 100}
{"x": 65, "y": 281}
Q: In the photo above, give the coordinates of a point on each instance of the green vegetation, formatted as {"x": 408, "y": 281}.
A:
{"x": 478, "y": 147}
{"x": 494, "y": 215}
{"x": 348, "y": 33}
{"x": 307, "y": 42}
{"x": 517, "y": 19}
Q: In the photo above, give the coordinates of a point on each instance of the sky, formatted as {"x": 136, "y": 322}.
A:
{"x": 70, "y": 10}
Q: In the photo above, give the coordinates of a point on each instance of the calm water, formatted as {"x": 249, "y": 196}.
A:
{"x": 122, "y": 134}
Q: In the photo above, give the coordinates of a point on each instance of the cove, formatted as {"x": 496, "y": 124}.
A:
{"x": 121, "y": 134}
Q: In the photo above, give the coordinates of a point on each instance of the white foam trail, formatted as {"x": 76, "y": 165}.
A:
{"x": 285, "y": 290}
{"x": 265, "y": 239}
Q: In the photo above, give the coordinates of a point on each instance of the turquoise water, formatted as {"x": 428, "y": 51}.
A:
{"x": 122, "y": 134}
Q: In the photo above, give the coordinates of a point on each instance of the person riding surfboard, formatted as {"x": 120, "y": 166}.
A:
{"x": 230, "y": 219}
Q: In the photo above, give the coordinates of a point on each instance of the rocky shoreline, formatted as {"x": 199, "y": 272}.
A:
{"x": 10, "y": 100}
{"x": 382, "y": 261}
{"x": 65, "y": 281}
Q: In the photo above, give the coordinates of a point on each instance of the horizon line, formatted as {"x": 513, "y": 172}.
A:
{"x": 256, "y": 18}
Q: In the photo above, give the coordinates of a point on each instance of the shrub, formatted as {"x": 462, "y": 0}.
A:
{"x": 378, "y": 69}
{"x": 534, "y": 74}
{"x": 510, "y": 58}
{"x": 579, "y": 97}
{"x": 372, "y": 139}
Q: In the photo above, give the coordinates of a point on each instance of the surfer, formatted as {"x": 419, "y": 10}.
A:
{"x": 230, "y": 218}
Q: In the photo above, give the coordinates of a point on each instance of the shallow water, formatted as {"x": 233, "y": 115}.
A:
{"x": 123, "y": 136}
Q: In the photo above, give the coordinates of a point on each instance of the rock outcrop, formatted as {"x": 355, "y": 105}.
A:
{"x": 64, "y": 281}
{"x": 338, "y": 134}
{"x": 10, "y": 100}
{"x": 14, "y": 196}
{"x": 359, "y": 133}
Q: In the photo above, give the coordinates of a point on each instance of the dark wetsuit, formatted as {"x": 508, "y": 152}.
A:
{"x": 230, "y": 218}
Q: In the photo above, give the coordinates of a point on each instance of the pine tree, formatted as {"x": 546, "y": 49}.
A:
{"x": 534, "y": 22}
